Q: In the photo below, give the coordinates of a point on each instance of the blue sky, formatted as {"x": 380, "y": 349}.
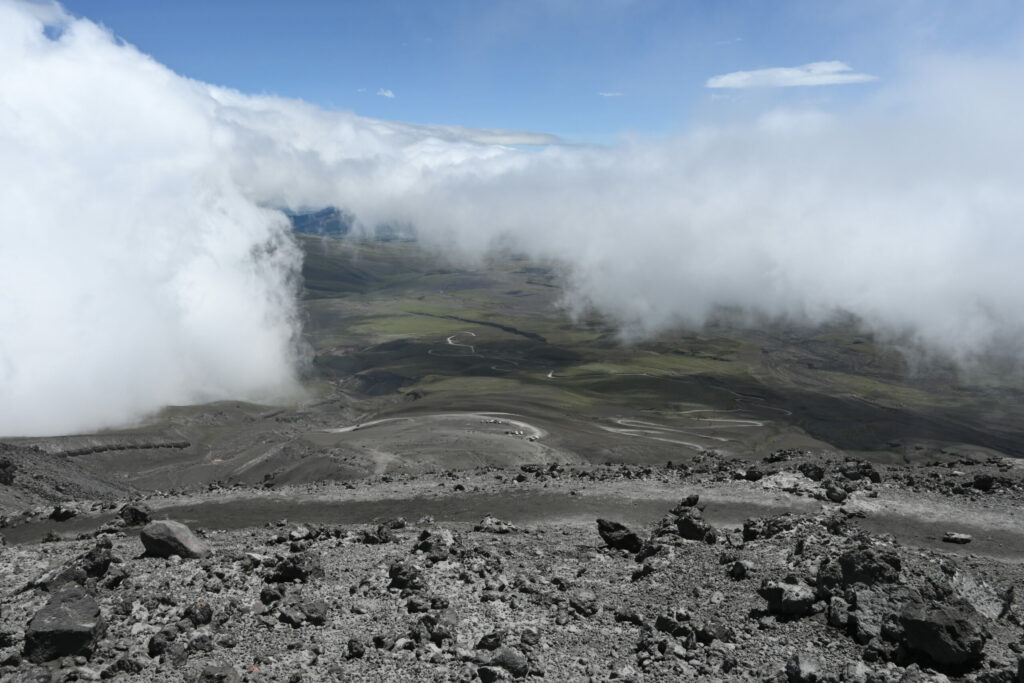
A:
{"x": 540, "y": 65}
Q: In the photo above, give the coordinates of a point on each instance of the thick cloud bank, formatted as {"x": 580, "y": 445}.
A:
{"x": 134, "y": 273}
{"x": 140, "y": 268}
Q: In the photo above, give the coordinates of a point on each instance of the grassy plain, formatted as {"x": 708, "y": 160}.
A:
{"x": 492, "y": 335}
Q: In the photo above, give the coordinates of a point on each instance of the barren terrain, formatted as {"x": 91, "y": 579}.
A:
{"x": 429, "y": 511}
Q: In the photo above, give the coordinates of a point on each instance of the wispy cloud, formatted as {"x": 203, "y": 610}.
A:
{"x": 815, "y": 73}
{"x": 486, "y": 136}
{"x": 386, "y": 92}
{"x": 610, "y": 94}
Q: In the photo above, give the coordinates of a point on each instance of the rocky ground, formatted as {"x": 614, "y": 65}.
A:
{"x": 839, "y": 588}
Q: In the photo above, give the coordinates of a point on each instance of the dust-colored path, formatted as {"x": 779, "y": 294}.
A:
{"x": 489, "y": 418}
{"x": 919, "y": 520}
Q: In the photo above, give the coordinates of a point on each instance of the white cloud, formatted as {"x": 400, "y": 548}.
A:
{"x": 385, "y": 92}
{"x": 135, "y": 271}
{"x": 815, "y": 73}
{"x": 610, "y": 94}
{"x": 141, "y": 268}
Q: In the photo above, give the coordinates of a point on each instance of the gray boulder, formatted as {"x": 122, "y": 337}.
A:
{"x": 69, "y": 624}
{"x": 787, "y": 599}
{"x": 869, "y": 566}
{"x": 838, "y": 614}
{"x": 948, "y": 635}
{"x": 511, "y": 660}
{"x": 134, "y": 514}
{"x": 835, "y": 493}
{"x": 164, "y": 538}
{"x": 865, "y": 621}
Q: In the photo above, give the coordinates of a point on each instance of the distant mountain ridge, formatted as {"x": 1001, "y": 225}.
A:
{"x": 330, "y": 221}
{"x": 335, "y": 222}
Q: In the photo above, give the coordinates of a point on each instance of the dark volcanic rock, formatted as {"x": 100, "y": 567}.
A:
{"x": 354, "y": 649}
{"x": 948, "y": 635}
{"x": 812, "y": 471}
{"x": 93, "y": 564}
{"x": 382, "y": 534}
{"x": 691, "y": 501}
{"x": 315, "y": 611}
{"x": 511, "y": 660}
{"x": 176, "y": 654}
{"x": 291, "y": 615}
{"x": 405, "y": 576}
{"x": 124, "y": 665}
{"x": 489, "y": 674}
{"x": 298, "y": 567}
{"x": 584, "y": 603}
{"x": 492, "y": 525}
{"x": 870, "y": 612}
{"x": 7, "y": 469}
{"x": 62, "y": 514}
{"x": 838, "y": 614}
{"x": 417, "y": 603}
{"x": 753, "y": 474}
{"x": 803, "y": 668}
{"x": 835, "y": 493}
{"x": 384, "y": 641}
{"x": 165, "y": 538}
{"x": 269, "y": 595}
{"x": 490, "y": 641}
{"x": 741, "y": 569}
{"x": 983, "y": 482}
{"x": 716, "y": 630}
{"x": 629, "y": 615}
{"x": 869, "y": 566}
{"x": 788, "y": 599}
{"x": 855, "y": 471}
{"x": 761, "y": 528}
{"x": 69, "y": 624}
{"x": 692, "y": 526}
{"x": 161, "y": 640}
{"x": 619, "y": 536}
{"x": 667, "y": 623}
{"x": 199, "y": 613}
{"x": 96, "y": 562}
{"x": 438, "y": 544}
{"x": 135, "y": 514}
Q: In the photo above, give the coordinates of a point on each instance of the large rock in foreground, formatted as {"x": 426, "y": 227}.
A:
{"x": 949, "y": 635}
{"x": 165, "y": 538}
{"x": 69, "y": 624}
